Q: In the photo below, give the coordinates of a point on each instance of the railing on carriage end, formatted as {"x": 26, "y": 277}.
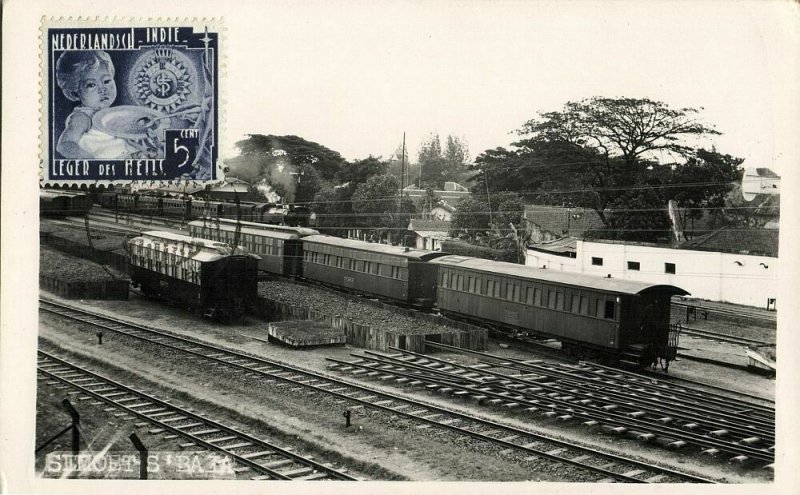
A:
{"x": 672, "y": 341}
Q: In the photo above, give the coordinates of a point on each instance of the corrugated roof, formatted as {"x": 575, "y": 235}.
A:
{"x": 563, "y": 221}
{"x": 433, "y": 225}
{"x": 372, "y": 247}
{"x": 228, "y": 224}
{"x": 207, "y": 250}
{"x": 615, "y": 285}
{"x": 559, "y": 246}
{"x": 762, "y": 242}
{"x": 430, "y": 234}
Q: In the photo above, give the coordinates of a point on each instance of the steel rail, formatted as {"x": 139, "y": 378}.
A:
{"x": 570, "y": 409}
{"x": 722, "y": 337}
{"x": 627, "y": 399}
{"x": 291, "y": 374}
{"x": 175, "y": 410}
{"x": 648, "y": 376}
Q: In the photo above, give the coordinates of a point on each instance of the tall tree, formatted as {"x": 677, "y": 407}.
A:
{"x": 334, "y": 209}
{"x": 708, "y": 177}
{"x": 290, "y": 164}
{"x": 378, "y": 206}
{"x": 470, "y": 220}
{"x": 432, "y": 163}
{"x": 456, "y": 153}
{"x": 360, "y": 170}
{"x": 599, "y": 153}
{"x": 296, "y": 149}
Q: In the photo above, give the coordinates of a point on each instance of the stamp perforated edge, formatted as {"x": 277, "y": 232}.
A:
{"x": 216, "y": 24}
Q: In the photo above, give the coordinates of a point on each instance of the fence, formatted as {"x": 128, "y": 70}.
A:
{"x": 114, "y": 259}
{"x": 107, "y": 289}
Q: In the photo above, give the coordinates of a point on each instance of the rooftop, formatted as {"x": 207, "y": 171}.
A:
{"x": 561, "y": 221}
{"x": 763, "y": 242}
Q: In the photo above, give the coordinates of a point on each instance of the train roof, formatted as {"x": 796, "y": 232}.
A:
{"x": 227, "y": 222}
{"x": 398, "y": 251}
{"x": 206, "y": 250}
{"x": 616, "y": 285}
{"x": 55, "y": 193}
{"x": 227, "y": 227}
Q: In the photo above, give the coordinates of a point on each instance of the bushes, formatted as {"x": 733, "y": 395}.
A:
{"x": 465, "y": 249}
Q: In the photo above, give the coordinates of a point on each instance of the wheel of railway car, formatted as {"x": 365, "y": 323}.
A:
{"x": 573, "y": 350}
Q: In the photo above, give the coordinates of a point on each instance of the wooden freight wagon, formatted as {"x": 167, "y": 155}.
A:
{"x": 626, "y": 318}
{"x": 198, "y": 273}
{"x": 390, "y": 272}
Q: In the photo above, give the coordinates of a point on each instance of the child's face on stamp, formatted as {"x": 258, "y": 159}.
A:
{"x": 97, "y": 88}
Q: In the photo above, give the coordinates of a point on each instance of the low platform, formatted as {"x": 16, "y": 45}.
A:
{"x": 305, "y": 333}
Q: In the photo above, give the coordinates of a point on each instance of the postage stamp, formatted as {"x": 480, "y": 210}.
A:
{"x": 126, "y": 101}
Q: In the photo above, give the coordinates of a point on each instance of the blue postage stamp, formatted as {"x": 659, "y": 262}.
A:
{"x": 124, "y": 102}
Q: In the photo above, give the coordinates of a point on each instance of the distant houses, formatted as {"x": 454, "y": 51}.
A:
{"x": 736, "y": 265}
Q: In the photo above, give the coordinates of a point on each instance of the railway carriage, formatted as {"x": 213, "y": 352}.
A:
{"x": 53, "y": 203}
{"x": 57, "y": 202}
{"x": 127, "y": 201}
{"x": 624, "y": 318}
{"x": 390, "y": 272}
{"x": 108, "y": 199}
{"x": 198, "y": 273}
{"x": 150, "y": 205}
{"x": 279, "y": 247}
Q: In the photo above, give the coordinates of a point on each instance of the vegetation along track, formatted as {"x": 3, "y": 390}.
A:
{"x": 643, "y": 408}
{"x": 249, "y": 453}
{"x": 605, "y": 466}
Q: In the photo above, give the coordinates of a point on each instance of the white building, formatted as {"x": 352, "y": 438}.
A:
{"x": 741, "y": 277}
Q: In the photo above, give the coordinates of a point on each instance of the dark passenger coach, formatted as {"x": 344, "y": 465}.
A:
{"x": 389, "y": 272}
{"x": 624, "y": 318}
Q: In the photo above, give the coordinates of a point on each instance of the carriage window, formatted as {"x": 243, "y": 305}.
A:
{"x": 609, "y": 310}
{"x": 584, "y": 305}
{"x": 490, "y": 287}
{"x": 559, "y": 300}
{"x": 509, "y": 292}
{"x": 444, "y": 280}
{"x": 375, "y": 268}
{"x": 634, "y": 265}
{"x": 575, "y": 306}
{"x": 529, "y": 296}
{"x": 497, "y": 288}
{"x": 515, "y": 296}
{"x": 537, "y": 296}
{"x": 551, "y": 299}
{"x": 471, "y": 287}
{"x": 597, "y": 261}
{"x": 669, "y": 268}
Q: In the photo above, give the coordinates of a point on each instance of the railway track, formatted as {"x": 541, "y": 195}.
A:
{"x": 603, "y": 465}
{"x": 721, "y": 337}
{"x": 730, "y": 312}
{"x": 250, "y": 454}
{"x": 624, "y": 402}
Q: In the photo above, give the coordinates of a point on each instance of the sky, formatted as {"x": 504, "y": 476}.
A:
{"x": 354, "y": 76}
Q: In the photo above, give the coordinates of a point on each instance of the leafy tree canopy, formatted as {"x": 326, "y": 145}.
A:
{"x": 295, "y": 168}
{"x": 377, "y": 206}
{"x": 440, "y": 165}
{"x": 298, "y": 150}
{"x": 360, "y": 170}
{"x": 622, "y": 157}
